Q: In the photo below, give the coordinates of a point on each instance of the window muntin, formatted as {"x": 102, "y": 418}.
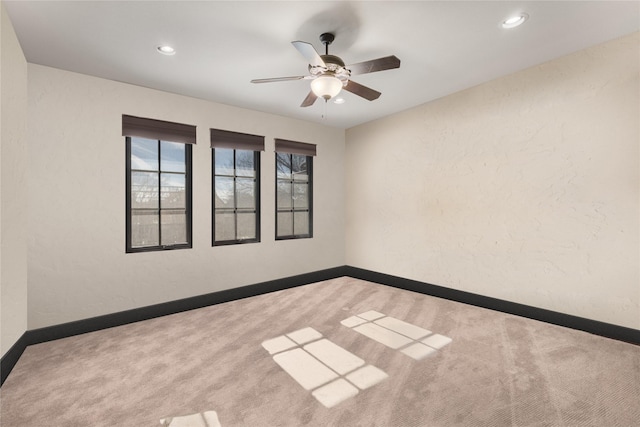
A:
{"x": 158, "y": 195}
{"x": 236, "y": 201}
{"x": 294, "y": 196}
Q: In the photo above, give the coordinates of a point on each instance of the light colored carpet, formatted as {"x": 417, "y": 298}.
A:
{"x": 498, "y": 369}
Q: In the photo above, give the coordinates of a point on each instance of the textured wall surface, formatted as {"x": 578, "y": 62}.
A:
{"x": 13, "y": 194}
{"x": 525, "y": 188}
{"x": 78, "y": 267}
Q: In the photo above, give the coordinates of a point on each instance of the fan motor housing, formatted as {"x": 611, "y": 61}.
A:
{"x": 332, "y": 60}
{"x": 334, "y": 66}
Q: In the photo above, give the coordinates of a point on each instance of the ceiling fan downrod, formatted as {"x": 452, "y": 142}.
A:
{"x": 326, "y": 39}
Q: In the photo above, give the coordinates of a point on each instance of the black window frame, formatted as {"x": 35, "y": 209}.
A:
{"x": 158, "y": 130}
{"x": 293, "y": 210}
{"x": 225, "y": 139}
{"x": 188, "y": 202}
{"x": 235, "y": 210}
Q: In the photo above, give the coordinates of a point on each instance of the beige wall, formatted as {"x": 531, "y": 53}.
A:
{"x": 525, "y": 188}
{"x": 13, "y": 187}
{"x": 78, "y": 267}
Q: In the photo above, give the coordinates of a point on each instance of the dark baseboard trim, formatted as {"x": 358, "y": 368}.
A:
{"x": 50, "y": 333}
{"x": 10, "y": 358}
{"x": 78, "y": 327}
{"x": 595, "y": 327}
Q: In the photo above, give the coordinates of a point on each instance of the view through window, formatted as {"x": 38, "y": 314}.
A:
{"x": 236, "y": 196}
{"x": 159, "y": 194}
{"x": 294, "y": 195}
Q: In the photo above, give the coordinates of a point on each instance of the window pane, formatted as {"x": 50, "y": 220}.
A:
{"x": 144, "y": 190}
{"x": 293, "y": 192}
{"x": 300, "y": 195}
{"x": 283, "y": 165}
{"x": 144, "y": 154}
{"x": 144, "y": 228}
{"x": 246, "y": 226}
{"x": 224, "y": 193}
{"x": 245, "y": 193}
{"x": 300, "y": 168}
{"x": 285, "y": 224}
{"x": 225, "y": 227}
{"x": 174, "y": 227}
{"x": 172, "y": 157}
{"x": 224, "y": 161}
{"x": 245, "y": 163}
{"x": 173, "y": 194}
{"x": 284, "y": 195}
{"x": 301, "y": 223}
{"x": 158, "y": 210}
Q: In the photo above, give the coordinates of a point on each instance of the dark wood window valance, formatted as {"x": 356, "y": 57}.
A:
{"x": 293, "y": 147}
{"x": 236, "y": 140}
{"x": 158, "y": 129}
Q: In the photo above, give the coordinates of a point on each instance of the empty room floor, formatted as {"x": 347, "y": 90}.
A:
{"x": 342, "y": 352}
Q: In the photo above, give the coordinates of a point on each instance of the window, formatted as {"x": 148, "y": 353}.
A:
{"x": 294, "y": 189}
{"x": 236, "y": 187}
{"x": 158, "y": 181}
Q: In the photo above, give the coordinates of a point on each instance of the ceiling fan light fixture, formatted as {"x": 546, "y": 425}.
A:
{"x": 326, "y": 86}
{"x": 328, "y": 73}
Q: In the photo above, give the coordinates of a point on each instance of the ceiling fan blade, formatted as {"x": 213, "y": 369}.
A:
{"x": 309, "y": 52}
{"x": 309, "y": 100}
{"x": 278, "y": 79}
{"x": 363, "y": 91}
{"x": 380, "y": 64}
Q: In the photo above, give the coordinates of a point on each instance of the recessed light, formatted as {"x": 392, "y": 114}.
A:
{"x": 166, "y": 50}
{"x": 515, "y": 20}
{"x": 339, "y": 101}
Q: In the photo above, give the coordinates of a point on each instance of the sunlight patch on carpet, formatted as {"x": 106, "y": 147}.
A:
{"x": 330, "y": 372}
{"x": 411, "y": 340}
{"x": 383, "y": 335}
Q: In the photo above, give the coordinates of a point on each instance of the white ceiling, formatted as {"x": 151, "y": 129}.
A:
{"x": 444, "y": 46}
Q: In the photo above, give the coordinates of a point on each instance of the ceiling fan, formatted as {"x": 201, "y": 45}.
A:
{"x": 329, "y": 75}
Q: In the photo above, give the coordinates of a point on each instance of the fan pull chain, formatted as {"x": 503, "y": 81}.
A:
{"x": 324, "y": 109}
